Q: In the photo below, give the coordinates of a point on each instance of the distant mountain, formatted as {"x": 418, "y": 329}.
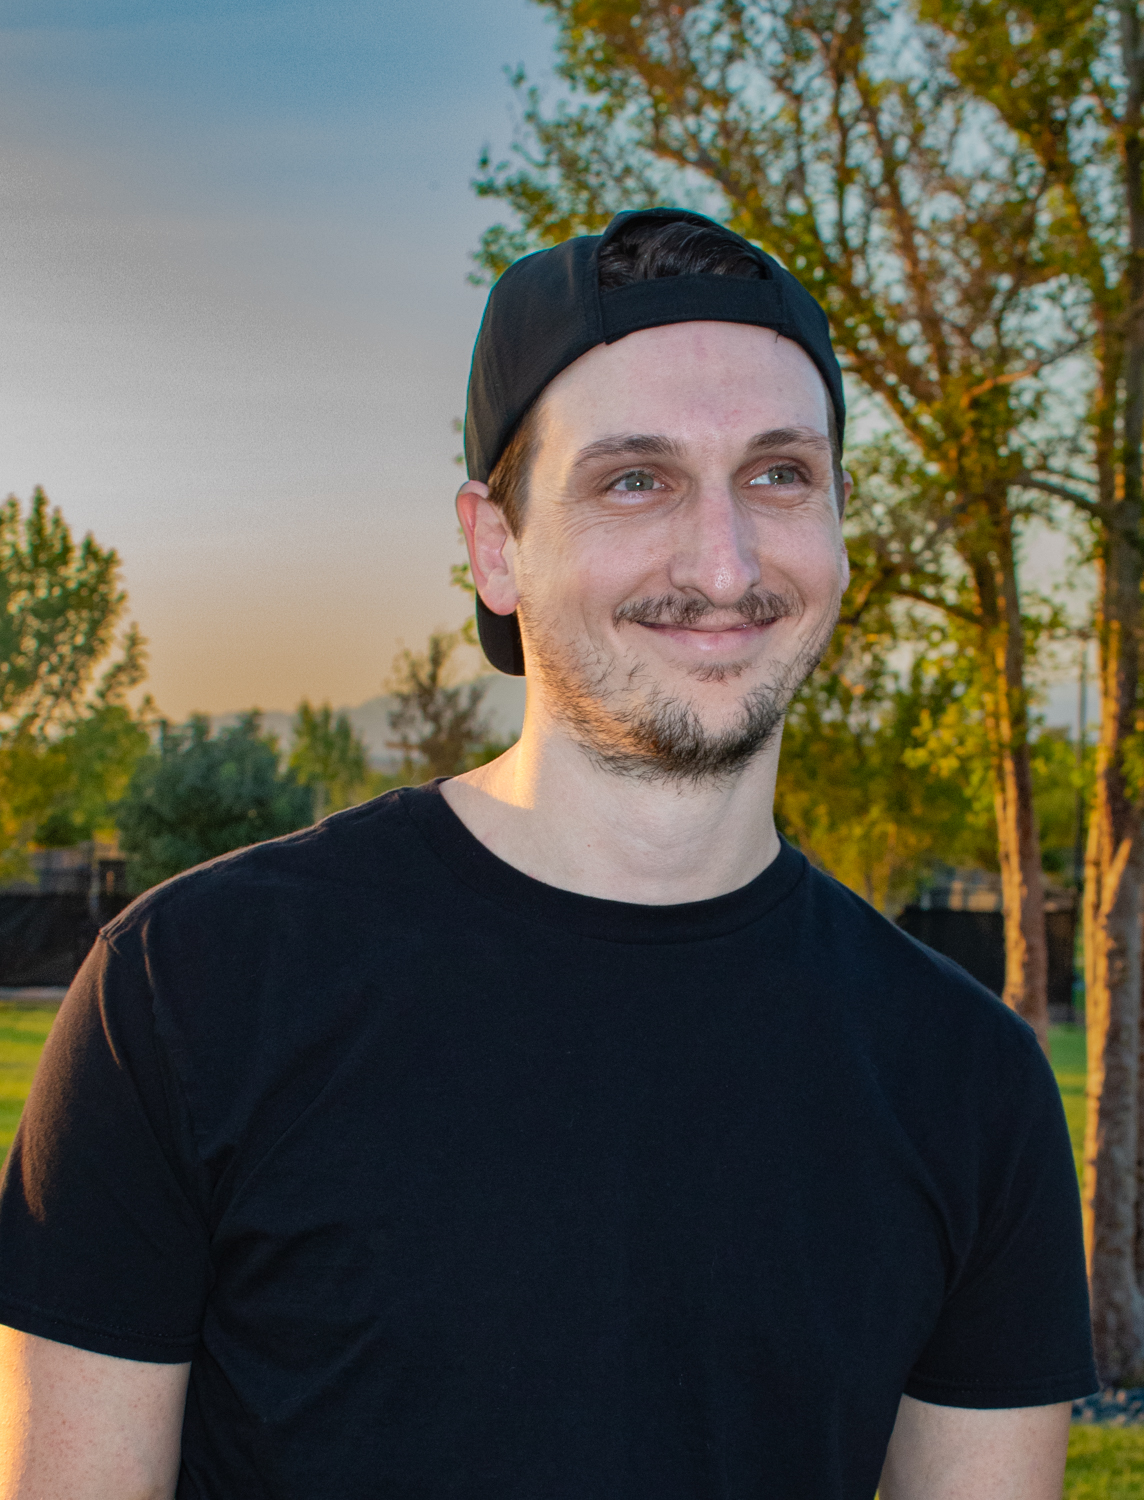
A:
{"x": 504, "y": 704}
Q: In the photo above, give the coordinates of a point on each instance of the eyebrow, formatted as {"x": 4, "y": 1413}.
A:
{"x": 655, "y": 445}
{"x": 628, "y": 444}
{"x": 784, "y": 437}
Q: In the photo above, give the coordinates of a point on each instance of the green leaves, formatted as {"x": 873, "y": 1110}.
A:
{"x": 68, "y": 741}
{"x": 439, "y": 726}
{"x": 59, "y": 605}
{"x": 199, "y": 795}
{"x": 328, "y": 757}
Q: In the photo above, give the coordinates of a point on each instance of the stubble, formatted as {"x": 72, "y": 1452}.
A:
{"x": 631, "y": 727}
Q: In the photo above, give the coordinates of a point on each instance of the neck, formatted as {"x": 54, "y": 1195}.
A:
{"x": 547, "y": 808}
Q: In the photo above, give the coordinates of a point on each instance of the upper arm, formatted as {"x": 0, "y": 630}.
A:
{"x": 974, "y": 1453}
{"x": 88, "y": 1426}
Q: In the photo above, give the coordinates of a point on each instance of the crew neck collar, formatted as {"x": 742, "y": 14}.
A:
{"x": 591, "y": 916}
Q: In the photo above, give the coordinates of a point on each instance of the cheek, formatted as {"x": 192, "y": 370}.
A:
{"x": 595, "y": 569}
{"x": 808, "y": 554}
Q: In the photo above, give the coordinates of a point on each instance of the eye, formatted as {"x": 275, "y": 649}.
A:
{"x": 635, "y": 482}
{"x": 779, "y": 474}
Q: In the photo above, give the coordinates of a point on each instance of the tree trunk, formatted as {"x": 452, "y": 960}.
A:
{"x": 1114, "y": 964}
{"x": 1023, "y": 892}
{"x": 1114, "y": 1150}
{"x": 1018, "y": 838}
{"x": 1112, "y": 1198}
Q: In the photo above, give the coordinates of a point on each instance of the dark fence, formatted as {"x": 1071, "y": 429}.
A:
{"x": 44, "y": 937}
{"x": 976, "y": 940}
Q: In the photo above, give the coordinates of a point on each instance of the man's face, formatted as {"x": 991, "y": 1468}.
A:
{"x": 681, "y": 563}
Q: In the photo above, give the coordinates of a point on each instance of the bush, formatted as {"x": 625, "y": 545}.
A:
{"x": 196, "y": 796}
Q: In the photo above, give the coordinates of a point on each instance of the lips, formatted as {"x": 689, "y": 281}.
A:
{"x": 710, "y": 629}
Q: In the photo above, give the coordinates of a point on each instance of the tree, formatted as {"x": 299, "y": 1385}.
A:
{"x": 83, "y": 770}
{"x": 66, "y": 750}
{"x": 59, "y": 607}
{"x": 198, "y": 795}
{"x": 835, "y": 136}
{"x": 439, "y": 727}
{"x": 885, "y": 768}
{"x": 860, "y": 790}
{"x": 1067, "y": 79}
{"x": 328, "y": 757}
{"x": 884, "y": 772}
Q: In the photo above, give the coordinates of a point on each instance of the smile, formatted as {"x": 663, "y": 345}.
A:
{"x": 710, "y": 637}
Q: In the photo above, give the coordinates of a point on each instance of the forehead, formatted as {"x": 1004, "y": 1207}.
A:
{"x": 691, "y": 380}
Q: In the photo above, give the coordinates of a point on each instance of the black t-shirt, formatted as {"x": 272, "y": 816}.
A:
{"x": 453, "y": 1184}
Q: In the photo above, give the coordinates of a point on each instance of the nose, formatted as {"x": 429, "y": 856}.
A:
{"x": 715, "y": 552}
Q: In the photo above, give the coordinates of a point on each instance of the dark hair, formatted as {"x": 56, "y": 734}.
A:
{"x": 642, "y": 250}
{"x": 646, "y": 249}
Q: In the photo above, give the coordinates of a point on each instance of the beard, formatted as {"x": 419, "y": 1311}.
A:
{"x": 635, "y": 729}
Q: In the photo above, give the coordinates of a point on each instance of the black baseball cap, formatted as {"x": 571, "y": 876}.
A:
{"x": 547, "y": 310}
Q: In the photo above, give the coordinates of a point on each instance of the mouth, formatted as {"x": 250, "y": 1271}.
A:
{"x": 711, "y": 637}
{"x": 705, "y": 632}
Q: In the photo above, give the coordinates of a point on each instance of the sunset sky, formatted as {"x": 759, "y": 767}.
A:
{"x": 236, "y": 322}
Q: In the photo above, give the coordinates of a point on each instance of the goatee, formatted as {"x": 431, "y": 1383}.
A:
{"x": 644, "y": 733}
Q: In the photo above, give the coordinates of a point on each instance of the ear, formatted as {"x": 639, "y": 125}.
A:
{"x": 492, "y": 547}
{"x": 847, "y": 491}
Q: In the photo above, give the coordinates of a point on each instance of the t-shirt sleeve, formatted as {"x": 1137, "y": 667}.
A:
{"x": 103, "y": 1235}
{"x": 1014, "y": 1329}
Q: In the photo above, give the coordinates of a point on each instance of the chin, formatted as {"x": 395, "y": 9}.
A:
{"x": 716, "y": 673}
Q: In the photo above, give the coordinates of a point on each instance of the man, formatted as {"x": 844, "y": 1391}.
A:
{"x": 556, "y": 1130}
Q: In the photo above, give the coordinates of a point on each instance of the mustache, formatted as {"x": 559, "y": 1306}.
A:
{"x": 756, "y": 607}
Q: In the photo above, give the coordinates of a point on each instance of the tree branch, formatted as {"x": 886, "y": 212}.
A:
{"x": 1062, "y": 491}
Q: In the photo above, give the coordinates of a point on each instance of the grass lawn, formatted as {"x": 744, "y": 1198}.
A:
{"x": 1105, "y": 1463}
{"x": 1067, "y": 1044}
{"x": 22, "y": 1035}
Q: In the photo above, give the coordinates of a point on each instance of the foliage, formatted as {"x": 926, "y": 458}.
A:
{"x": 853, "y": 790}
{"x": 196, "y": 796}
{"x": 838, "y": 138}
{"x": 65, "y": 790}
{"x": 1066, "y": 79}
{"x": 66, "y": 752}
{"x": 328, "y": 757}
{"x": 59, "y": 605}
{"x": 886, "y": 762}
{"x": 1060, "y": 785}
{"x": 439, "y": 726}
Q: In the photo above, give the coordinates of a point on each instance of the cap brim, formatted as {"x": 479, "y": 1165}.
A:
{"x": 500, "y": 640}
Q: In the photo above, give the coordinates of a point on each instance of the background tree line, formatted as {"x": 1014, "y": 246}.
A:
{"x": 884, "y": 773}
{"x": 78, "y": 761}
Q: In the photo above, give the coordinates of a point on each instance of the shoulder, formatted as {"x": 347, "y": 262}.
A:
{"x": 274, "y": 931}
{"x": 369, "y": 846}
{"x": 255, "y": 968}
{"x": 906, "y": 998}
{"x": 923, "y": 1045}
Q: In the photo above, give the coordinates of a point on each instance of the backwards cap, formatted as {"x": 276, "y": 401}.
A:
{"x": 547, "y": 310}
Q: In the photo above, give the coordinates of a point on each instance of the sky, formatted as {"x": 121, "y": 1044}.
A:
{"x": 236, "y": 318}
{"x": 237, "y": 322}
